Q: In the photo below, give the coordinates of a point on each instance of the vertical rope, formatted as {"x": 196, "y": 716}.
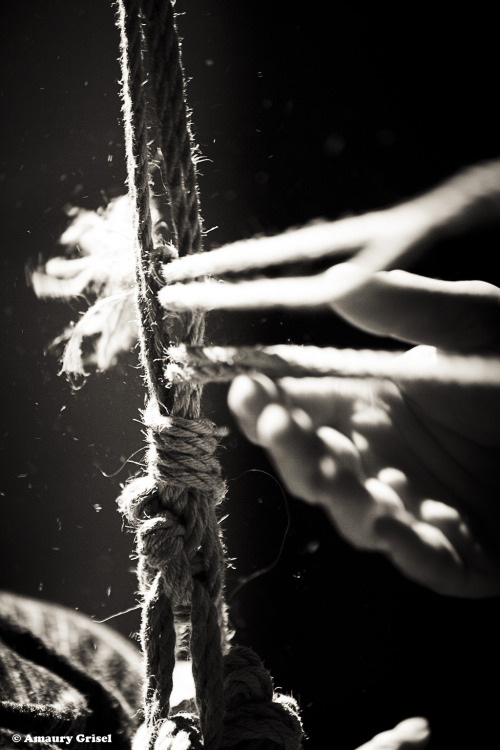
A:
{"x": 172, "y": 507}
{"x": 137, "y": 155}
{"x": 167, "y": 81}
{"x": 176, "y": 522}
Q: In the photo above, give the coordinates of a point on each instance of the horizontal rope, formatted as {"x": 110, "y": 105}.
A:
{"x": 377, "y": 238}
{"x": 291, "y": 293}
{"x": 217, "y": 363}
{"x": 188, "y": 286}
{"x": 310, "y": 242}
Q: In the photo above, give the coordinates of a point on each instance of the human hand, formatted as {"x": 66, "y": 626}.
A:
{"x": 409, "y": 470}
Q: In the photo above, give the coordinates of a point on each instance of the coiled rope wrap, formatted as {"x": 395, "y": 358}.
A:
{"x": 173, "y": 507}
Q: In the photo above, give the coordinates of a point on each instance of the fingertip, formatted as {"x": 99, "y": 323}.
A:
{"x": 246, "y": 392}
{"x": 239, "y": 393}
{"x": 295, "y": 450}
{"x": 421, "y": 551}
{"x": 248, "y": 396}
{"x": 274, "y": 422}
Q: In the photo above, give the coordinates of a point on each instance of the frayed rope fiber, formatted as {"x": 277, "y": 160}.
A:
{"x": 173, "y": 506}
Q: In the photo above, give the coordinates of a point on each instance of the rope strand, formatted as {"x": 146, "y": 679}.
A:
{"x": 218, "y": 363}
{"x": 311, "y": 242}
{"x": 287, "y": 293}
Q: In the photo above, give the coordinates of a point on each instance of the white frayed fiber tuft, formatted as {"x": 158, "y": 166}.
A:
{"x": 99, "y": 265}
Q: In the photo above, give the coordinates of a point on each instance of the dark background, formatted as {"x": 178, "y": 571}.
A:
{"x": 300, "y": 115}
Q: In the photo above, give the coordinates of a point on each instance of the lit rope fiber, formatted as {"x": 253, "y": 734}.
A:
{"x": 198, "y": 283}
{"x": 309, "y": 242}
{"x": 219, "y": 363}
{"x": 376, "y": 240}
{"x": 173, "y": 507}
{"x": 468, "y": 199}
{"x": 288, "y": 293}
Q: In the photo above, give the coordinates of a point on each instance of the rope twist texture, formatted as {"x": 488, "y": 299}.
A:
{"x": 222, "y": 363}
{"x": 253, "y": 712}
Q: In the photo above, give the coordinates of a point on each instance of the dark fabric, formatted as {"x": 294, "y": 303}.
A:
{"x": 62, "y": 675}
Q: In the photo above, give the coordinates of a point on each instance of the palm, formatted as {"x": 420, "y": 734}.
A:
{"x": 430, "y": 455}
{"x": 408, "y": 470}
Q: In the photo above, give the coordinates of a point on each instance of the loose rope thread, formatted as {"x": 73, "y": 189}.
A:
{"x": 173, "y": 506}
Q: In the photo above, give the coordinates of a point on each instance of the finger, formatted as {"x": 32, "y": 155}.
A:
{"x": 411, "y": 733}
{"x": 327, "y": 401}
{"x": 446, "y": 517}
{"x": 247, "y": 398}
{"x": 450, "y": 522}
{"x": 425, "y": 554}
{"x": 311, "y": 463}
{"x": 323, "y": 467}
{"x": 457, "y": 315}
{"x": 359, "y": 409}
{"x": 330, "y": 401}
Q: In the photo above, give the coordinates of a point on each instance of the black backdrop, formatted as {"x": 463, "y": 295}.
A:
{"x": 299, "y": 115}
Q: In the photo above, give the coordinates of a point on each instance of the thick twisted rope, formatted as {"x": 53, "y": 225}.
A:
{"x": 181, "y": 556}
{"x": 176, "y": 143}
{"x": 172, "y": 507}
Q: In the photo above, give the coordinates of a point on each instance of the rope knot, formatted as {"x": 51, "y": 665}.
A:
{"x": 182, "y": 452}
{"x": 245, "y": 679}
{"x": 161, "y": 543}
{"x": 161, "y": 539}
{"x": 170, "y": 506}
{"x": 139, "y": 500}
{"x": 253, "y": 711}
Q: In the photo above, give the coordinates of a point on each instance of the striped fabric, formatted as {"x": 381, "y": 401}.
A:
{"x": 63, "y": 676}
